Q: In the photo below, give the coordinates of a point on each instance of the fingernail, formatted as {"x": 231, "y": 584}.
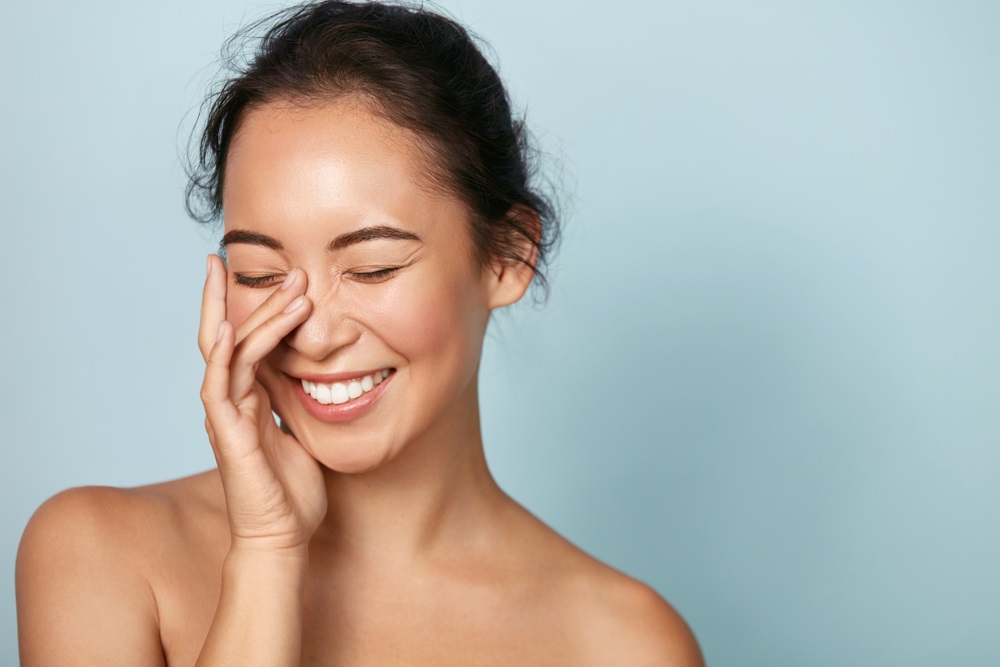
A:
{"x": 222, "y": 328}
{"x": 208, "y": 265}
{"x": 289, "y": 279}
{"x": 295, "y": 305}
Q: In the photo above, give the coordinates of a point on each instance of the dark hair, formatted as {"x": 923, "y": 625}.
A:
{"x": 415, "y": 68}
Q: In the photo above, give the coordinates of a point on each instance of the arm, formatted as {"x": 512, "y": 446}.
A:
{"x": 81, "y": 596}
{"x": 259, "y": 617}
{"x": 275, "y": 495}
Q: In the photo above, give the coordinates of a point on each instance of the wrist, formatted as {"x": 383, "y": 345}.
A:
{"x": 258, "y": 620}
{"x": 257, "y": 549}
{"x": 285, "y": 567}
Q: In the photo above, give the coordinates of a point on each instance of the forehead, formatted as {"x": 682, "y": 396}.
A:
{"x": 293, "y": 167}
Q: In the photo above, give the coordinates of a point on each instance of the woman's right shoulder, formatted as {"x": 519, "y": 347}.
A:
{"x": 85, "y": 565}
{"x": 122, "y": 520}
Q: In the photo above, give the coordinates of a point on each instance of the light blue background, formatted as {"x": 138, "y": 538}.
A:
{"x": 766, "y": 381}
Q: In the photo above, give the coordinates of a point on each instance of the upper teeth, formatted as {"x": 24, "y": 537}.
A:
{"x": 341, "y": 392}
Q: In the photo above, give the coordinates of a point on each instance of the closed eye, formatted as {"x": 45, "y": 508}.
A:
{"x": 362, "y": 276}
{"x": 374, "y": 276}
{"x": 255, "y": 281}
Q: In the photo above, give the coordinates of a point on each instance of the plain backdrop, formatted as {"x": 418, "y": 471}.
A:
{"x": 765, "y": 382}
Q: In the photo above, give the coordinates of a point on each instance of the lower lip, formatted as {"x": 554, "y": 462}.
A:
{"x": 343, "y": 412}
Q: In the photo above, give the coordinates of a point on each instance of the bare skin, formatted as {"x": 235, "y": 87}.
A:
{"x": 373, "y": 537}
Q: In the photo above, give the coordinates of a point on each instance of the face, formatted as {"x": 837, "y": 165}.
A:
{"x": 400, "y": 307}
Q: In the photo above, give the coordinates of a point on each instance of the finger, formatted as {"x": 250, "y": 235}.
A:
{"x": 222, "y": 415}
{"x": 213, "y": 304}
{"x": 293, "y": 287}
{"x": 260, "y": 342}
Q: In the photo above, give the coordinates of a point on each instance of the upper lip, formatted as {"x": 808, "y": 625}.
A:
{"x": 330, "y": 378}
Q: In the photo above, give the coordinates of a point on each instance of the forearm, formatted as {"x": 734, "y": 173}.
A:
{"x": 259, "y": 617}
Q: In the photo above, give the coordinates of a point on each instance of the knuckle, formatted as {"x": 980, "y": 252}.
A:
{"x": 206, "y": 394}
{"x": 246, "y": 355}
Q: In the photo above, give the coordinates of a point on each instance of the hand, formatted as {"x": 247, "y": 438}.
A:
{"x": 275, "y": 494}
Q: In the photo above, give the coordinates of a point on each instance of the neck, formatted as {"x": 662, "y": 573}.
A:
{"x": 433, "y": 494}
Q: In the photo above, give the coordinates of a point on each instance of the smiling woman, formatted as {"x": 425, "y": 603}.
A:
{"x": 392, "y": 281}
{"x": 377, "y": 209}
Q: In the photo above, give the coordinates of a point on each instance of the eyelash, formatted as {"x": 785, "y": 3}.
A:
{"x": 375, "y": 276}
{"x": 267, "y": 281}
{"x": 254, "y": 281}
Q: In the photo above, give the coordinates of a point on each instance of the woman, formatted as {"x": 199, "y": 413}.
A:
{"x": 377, "y": 209}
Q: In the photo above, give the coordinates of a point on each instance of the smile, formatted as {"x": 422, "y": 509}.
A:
{"x": 341, "y": 392}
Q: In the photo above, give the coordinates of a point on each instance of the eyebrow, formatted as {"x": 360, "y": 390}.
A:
{"x": 370, "y": 234}
{"x": 250, "y": 238}
{"x": 342, "y": 241}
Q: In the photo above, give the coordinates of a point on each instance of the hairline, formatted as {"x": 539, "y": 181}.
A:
{"x": 437, "y": 181}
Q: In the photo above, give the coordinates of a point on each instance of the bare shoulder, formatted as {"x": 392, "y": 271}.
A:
{"x": 614, "y": 618}
{"x": 84, "y": 593}
{"x": 123, "y": 524}
{"x": 629, "y": 623}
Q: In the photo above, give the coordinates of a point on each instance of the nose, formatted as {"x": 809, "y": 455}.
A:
{"x": 328, "y": 329}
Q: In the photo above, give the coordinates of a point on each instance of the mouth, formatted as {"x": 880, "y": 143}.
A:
{"x": 339, "y": 393}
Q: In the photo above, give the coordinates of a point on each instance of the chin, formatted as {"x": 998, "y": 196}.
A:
{"x": 354, "y": 457}
{"x": 352, "y": 463}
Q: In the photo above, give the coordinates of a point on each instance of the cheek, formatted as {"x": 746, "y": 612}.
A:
{"x": 442, "y": 319}
{"x": 241, "y": 301}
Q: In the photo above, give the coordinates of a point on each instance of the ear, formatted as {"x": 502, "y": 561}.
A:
{"x": 509, "y": 276}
